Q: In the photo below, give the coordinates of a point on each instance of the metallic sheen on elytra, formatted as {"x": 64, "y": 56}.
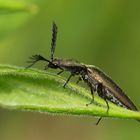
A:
{"x": 112, "y": 88}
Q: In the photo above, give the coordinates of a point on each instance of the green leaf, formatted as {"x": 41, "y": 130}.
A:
{"x": 41, "y": 91}
{"x": 15, "y": 6}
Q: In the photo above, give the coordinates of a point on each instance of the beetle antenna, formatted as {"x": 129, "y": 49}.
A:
{"x": 35, "y": 58}
{"x": 54, "y": 37}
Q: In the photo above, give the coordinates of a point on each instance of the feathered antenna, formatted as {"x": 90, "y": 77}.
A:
{"x": 54, "y": 37}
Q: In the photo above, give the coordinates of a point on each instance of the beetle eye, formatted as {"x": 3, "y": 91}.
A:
{"x": 53, "y": 65}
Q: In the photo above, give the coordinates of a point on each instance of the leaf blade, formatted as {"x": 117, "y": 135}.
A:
{"x": 34, "y": 90}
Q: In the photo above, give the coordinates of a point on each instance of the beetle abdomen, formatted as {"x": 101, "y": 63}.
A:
{"x": 114, "y": 93}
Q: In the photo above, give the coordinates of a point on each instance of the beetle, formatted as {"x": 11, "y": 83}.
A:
{"x": 93, "y": 76}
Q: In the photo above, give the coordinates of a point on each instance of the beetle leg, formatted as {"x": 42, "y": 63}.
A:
{"x": 93, "y": 88}
{"x": 106, "y": 111}
{"x": 60, "y": 72}
{"x": 98, "y": 120}
{"x": 68, "y": 80}
{"x": 105, "y": 99}
{"x": 107, "y": 105}
{"x": 102, "y": 92}
{"x": 92, "y": 93}
{"x": 79, "y": 79}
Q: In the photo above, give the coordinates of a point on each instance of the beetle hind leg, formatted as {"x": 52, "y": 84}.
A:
{"x": 92, "y": 93}
{"x": 102, "y": 92}
{"x": 98, "y": 120}
{"x": 107, "y": 105}
{"x": 106, "y": 112}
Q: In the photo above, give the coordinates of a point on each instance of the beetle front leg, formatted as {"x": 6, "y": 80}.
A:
{"x": 68, "y": 80}
{"x": 60, "y": 72}
{"x": 99, "y": 120}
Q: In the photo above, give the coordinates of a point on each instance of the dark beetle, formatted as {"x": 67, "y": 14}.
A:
{"x": 96, "y": 79}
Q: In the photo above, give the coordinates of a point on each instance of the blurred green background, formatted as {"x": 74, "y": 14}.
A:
{"x": 96, "y": 32}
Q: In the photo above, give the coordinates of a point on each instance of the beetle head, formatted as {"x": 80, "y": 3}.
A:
{"x": 54, "y": 64}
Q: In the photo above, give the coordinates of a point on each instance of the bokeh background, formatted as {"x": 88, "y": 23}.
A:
{"x": 97, "y": 32}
